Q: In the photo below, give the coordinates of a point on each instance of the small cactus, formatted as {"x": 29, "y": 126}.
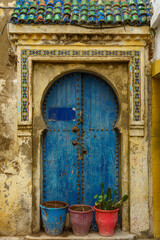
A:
{"x": 105, "y": 201}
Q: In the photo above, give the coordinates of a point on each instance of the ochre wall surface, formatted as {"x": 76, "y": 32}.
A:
{"x": 156, "y": 154}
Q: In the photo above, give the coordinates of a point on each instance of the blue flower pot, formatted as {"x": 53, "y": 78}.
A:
{"x": 53, "y": 216}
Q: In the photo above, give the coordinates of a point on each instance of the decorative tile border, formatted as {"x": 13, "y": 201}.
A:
{"x": 134, "y": 55}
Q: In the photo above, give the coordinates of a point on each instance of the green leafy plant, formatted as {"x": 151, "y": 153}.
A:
{"x": 105, "y": 200}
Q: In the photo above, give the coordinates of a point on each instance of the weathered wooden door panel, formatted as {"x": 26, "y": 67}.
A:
{"x": 81, "y": 145}
{"x": 100, "y": 137}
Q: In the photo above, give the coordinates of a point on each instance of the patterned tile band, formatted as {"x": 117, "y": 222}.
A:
{"x": 83, "y": 12}
{"x": 135, "y": 68}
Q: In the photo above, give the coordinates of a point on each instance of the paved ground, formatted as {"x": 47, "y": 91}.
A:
{"x": 119, "y": 235}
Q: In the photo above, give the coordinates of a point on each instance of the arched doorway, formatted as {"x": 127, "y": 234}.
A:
{"x": 81, "y": 143}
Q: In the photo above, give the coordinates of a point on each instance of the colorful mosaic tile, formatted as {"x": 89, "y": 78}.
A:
{"x": 83, "y": 12}
{"x": 136, "y": 66}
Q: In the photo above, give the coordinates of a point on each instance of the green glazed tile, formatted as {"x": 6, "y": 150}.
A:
{"x": 131, "y": 2}
{"x": 66, "y": 2}
{"x": 126, "y": 17}
{"x": 92, "y": 13}
{"x": 75, "y": 18}
{"x": 107, "y": 3}
{"x": 84, "y": 2}
{"x": 116, "y": 12}
{"x": 141, "y": 7}
{"x": 26, "y": 5}
{"x": 42, "y": 7}
{"x": 58, "y": 5}
{"x": 118, "y": 18}
{"x": 24, "y": 10}
{"x": 57, "y": 17}
{"x": 75, "y": 8}
{"x": 108, "y": 8}
{"x": 32, "y": 11}
{"x": 109, "y": 18}
{"x": 33, "y": 5}
{"x": 108, "y": 12}
{"x": 67, "y": 6}
{"x": 140, "y": 2}
{"x": 116, "y": 4}
{"x": 67, "y": 11}
{"x": 84, "y": 12}
{"x": 134, "y": 18}
{"x": 14, "y": 15}
{"x": 133, "y": 12}
{"x": 84, "y": 7}
{"x": 101, "y": 12}
{"x": 49, "y": 10}
{"x": 22, "y": 17}
{"x": 17, "y": 11}
{"x": 124, "y": 3}
{"x": 49, "y": 17}
{"x": 57, "y": 11}
{"x": 31, "y": 17}
{"x": 143, "y": 19}
{"x": 40, "y": 11}
{"x": 17, "y": 5}
{"x": 92, "y": 3}
{"x": 75, "y": 2}
{"x": 142, "y": 12}
{"x": 50, "y": 2}
{"x": 100, "y": 3}
{"x": 83, "y": 18}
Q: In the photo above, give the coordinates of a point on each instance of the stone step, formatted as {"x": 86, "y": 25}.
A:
{"x": 119, "y": 235}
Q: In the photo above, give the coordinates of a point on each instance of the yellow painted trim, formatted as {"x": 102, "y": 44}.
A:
{"x": 156, "y": 68}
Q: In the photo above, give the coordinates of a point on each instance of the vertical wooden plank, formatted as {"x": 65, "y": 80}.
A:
{"x": 95, "y": 101}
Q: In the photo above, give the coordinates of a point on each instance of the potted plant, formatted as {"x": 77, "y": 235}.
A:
{"x": 80, "y": 217}
{"x": 53, "y": 216}
{"x": 106, "y": 211}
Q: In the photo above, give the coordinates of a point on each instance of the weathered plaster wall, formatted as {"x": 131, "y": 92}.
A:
{"x": 16, "y": 146}
{"x": 13, "y": 173}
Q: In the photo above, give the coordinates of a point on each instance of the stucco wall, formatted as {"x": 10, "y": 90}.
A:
{"x": 155, "y": 24}
{"x": 13, "y": 206}
{"x": 156, "y": 154}
{"x": 16, "y": 150}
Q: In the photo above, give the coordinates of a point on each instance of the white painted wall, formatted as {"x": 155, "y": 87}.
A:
{"x": 155, "y": 3}
{"x": 155, "y": 24}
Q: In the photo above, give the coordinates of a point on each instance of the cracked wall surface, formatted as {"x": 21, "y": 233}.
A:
{"x": 15, "y": 190}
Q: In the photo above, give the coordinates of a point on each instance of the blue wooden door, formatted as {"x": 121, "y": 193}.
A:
{"x": 80, "y": 145}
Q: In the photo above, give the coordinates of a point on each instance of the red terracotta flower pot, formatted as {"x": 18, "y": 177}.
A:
{"x": 80, "y": 217}
{"x": 106, "y": 221}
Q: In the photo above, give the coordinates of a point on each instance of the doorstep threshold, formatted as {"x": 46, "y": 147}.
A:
{"x": 118, "y": 235}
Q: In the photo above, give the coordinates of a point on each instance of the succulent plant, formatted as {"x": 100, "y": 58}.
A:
{"x": 105, "y": 200}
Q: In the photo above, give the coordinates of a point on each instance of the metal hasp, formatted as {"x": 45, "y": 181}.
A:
{"x": 81, "y": 144}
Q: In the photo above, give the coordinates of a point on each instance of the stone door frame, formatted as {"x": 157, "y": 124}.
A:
{"x": 28, "y": 128}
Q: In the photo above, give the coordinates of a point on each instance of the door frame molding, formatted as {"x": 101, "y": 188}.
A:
{"x": 34, "y": 126}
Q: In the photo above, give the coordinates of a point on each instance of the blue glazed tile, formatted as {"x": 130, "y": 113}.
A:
{"x": 132, "y": 12}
